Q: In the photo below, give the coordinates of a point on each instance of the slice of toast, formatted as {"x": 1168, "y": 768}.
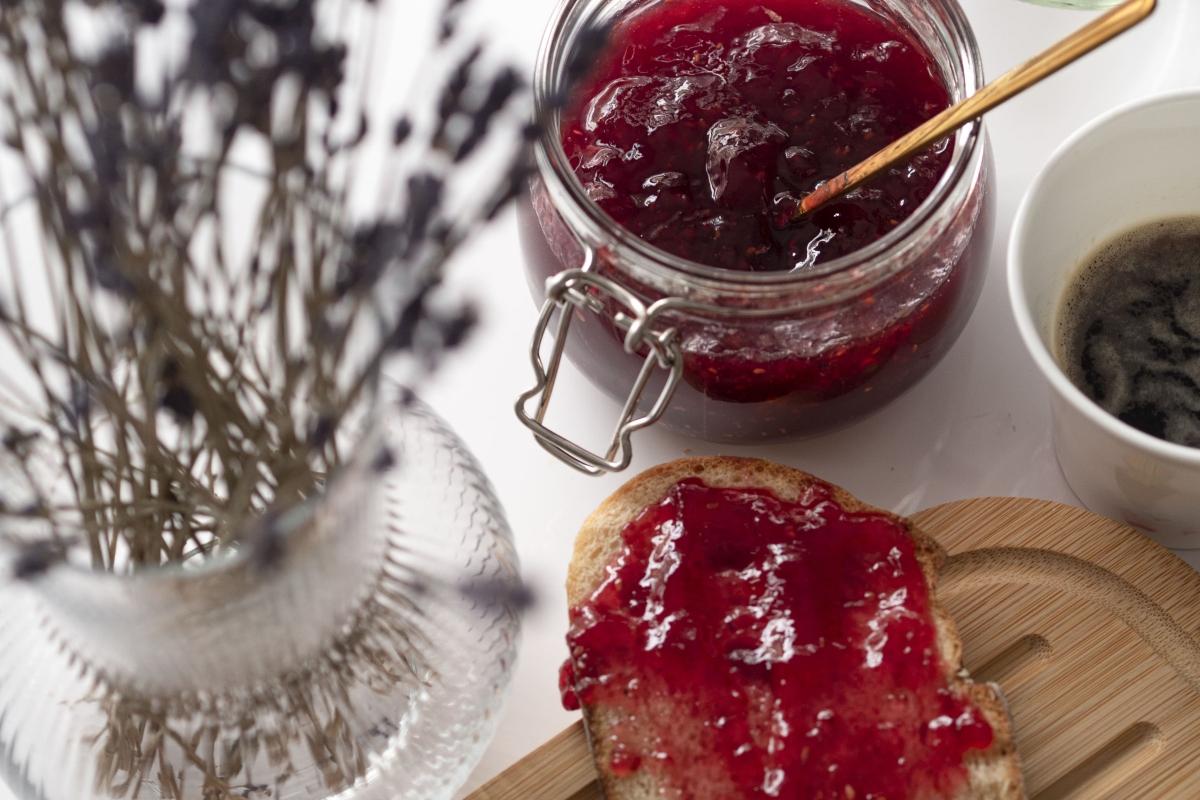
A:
{"x": 993, "y": 774}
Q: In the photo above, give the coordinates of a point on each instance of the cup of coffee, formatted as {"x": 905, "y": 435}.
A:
{"x": 1104, "y": 278}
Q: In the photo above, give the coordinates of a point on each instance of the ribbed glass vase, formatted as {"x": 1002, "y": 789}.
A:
{"x": 365, "y": 659}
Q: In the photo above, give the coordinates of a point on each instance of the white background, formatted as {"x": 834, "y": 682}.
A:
{"x": 978, "y": 425}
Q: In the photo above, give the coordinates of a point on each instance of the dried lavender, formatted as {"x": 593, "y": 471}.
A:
{"x": 214, "y": 236}
{"x": 196, "y": 300}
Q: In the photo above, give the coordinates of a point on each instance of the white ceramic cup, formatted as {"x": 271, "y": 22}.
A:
{"x": 1132, "y": 166}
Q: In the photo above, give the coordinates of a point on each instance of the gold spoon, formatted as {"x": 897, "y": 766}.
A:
{"x": 1009, "y": 85}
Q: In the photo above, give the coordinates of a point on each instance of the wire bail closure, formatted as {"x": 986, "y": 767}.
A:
{"x": 579, "y": 290}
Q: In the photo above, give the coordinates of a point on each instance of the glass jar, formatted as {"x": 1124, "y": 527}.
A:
{"x": 731, "y": 356}
{"x": 359, "y": 664}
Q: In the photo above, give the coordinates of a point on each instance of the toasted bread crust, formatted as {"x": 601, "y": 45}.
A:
{"x": 994, "y": 774}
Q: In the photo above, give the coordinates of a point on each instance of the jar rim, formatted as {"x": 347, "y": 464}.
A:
{"x": 552, "y": 162}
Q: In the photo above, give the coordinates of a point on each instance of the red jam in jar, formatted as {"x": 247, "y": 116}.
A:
{"x": 709, "y": 120}
{"x": 759, "y": 648}
{"x": 679, "y": 163}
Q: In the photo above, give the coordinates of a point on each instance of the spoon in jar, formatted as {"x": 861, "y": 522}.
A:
{"x": 1009, "y": 85}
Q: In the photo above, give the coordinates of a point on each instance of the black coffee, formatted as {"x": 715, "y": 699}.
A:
{"x": 1129, "y": 329}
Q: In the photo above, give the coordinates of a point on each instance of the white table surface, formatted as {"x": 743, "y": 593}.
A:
{"x": 977, "y": 425}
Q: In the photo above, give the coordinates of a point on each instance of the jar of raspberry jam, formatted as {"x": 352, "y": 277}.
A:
{"x": 660, "y": 232}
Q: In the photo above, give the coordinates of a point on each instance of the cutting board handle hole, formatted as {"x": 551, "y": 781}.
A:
{"x": 1104, "y": 770}
{"x": 1084, "y": 580}
{"x": 1018, "y": 662}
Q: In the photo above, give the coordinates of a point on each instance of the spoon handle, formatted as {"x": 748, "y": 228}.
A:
{"x": 1012, "y": 83}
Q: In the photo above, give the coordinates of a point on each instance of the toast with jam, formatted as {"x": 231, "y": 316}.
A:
{"x": 740, "y": 629}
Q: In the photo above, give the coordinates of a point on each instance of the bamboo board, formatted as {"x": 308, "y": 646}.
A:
{"x": 1092, "y": 630}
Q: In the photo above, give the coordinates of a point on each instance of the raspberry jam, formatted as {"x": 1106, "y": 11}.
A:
{"x": 693, "y": 138}
{"x": 759, "y": 648}
{"x": 709, "y": 120}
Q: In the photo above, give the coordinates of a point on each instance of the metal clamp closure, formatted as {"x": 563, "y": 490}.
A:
{"x": 583, "y": 290}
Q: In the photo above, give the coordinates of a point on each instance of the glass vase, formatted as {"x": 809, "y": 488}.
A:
{"x": 362, "y": 655}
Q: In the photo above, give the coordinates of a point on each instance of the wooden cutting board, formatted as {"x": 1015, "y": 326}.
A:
{"x": 1092, "y": 630}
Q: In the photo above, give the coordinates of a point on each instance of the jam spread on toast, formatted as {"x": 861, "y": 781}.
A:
{"x": 741, "y": 645}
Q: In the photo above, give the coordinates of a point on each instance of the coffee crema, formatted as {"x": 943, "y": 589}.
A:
{"x": 1128, "y": 329}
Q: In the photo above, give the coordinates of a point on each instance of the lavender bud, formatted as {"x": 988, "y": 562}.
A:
{"x": 450, "y": 100}
{"x": 515, "y": 183}
{"x": 513, "y": 593}
{"x": 457, "y": 328}
{"x": 586, "y": 48}
{"x": 114, "y": 67}
{"x": 404, "y": 332}
{"x": 424, "y": 199}
{"x": 401, "y": 131}
{"x": 36, "y": 559}
{"x": 322, "y": 432}
{"x": 180, "y": 402}
{"x": 79, "y": 410}
{"x": 268, "y": 548}
{"x": 17, "y": 441}
{"x": 531, "y": 132}
{"x": 384, "y": 461}
{"x": 174, "y": 395}
{"x": 503, "y": 87}
{"x": 151, "y": 11}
